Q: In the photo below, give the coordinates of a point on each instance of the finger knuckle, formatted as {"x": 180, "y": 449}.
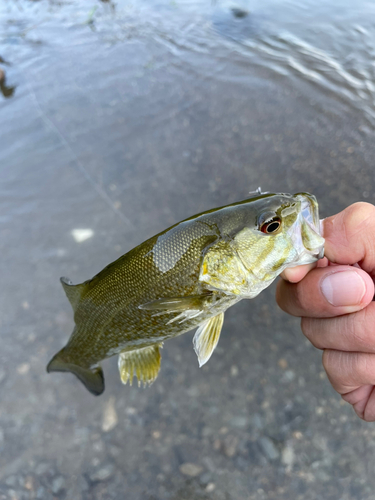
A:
{"x": 280, "y": 293}
{"x": 330, "y": 360}
{"x": 359, "y": 327}
{"x": 358, "y": 212}
{"x": 360, "y": 367}
{"x": 286, "y": 297}
{"x": 300, "y": 298}
{"x": 336, "y": 364}
{"x": 366, "y": 418}
{"x": 310, "y": 328}
{"x": 357, "y": 216}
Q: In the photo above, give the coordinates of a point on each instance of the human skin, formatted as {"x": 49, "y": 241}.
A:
{"x": 335, "y": 301}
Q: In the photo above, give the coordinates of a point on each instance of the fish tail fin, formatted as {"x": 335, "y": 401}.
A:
{"x": 92, "y": 379}
{"x": 73, "y": 292}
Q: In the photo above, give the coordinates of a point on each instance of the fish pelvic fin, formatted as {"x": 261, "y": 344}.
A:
{"x": 144, "y": 363}
{"x": 206, "y": 338}
{"x": 92, "y": 379}
{"x": 73, "y": 292}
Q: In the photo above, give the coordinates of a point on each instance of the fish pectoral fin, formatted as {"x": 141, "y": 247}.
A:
{"x": 177, "y": 304}
{"x": 188, "y": 307}
{"x": 144, "y": 363}
{"x": 206, "y": 338}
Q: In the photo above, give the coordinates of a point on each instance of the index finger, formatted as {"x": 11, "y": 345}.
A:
{"x": 296, "y": 274}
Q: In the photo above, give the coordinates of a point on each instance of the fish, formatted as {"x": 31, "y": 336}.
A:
{"x": 183, "y": 278}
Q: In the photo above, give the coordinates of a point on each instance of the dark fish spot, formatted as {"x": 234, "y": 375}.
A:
{"x": 4, "y": 89}
{"x": 239, "y": 13}
{"x": 236, "y": 23}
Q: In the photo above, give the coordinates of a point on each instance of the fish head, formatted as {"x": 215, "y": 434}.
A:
{"x": 284, "y": 231}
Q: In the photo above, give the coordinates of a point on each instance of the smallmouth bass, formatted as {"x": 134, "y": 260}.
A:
{"x": 183, "y": 278}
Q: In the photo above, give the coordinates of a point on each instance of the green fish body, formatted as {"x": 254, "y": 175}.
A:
{"x": 183, "y": 278}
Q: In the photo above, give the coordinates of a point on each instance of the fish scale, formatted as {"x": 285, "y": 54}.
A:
{"x": 184, "y": 277}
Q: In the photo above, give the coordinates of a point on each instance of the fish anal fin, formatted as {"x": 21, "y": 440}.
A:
{"x": 73, "y": 292}
{"x": 144, "y": 363}
{"x": 92, "y": 379}
{"x": 206, "y": 338}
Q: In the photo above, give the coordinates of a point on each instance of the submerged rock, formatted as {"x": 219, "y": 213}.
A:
{"x": 239, "y": 13}
{"x": 268, "y": 448}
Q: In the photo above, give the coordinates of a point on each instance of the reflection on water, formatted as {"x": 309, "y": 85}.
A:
{"x": 327, "y": 46}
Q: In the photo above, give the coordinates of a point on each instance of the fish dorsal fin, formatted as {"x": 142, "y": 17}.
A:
{"x": 206, "y": 338}
{"x": 73, "y": 292}
{"x": 144, "y": 363}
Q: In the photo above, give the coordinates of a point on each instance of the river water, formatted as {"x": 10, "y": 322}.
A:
{"x": 119, "y": 119}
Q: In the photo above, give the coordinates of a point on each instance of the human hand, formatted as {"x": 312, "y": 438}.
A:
{"x": 335, "y": 300}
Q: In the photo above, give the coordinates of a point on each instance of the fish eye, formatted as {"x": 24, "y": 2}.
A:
{"x": 271, "y": 226}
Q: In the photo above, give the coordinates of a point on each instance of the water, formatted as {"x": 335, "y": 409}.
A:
{"x": 117, "y": 120}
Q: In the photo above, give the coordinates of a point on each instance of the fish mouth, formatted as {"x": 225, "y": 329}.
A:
{"x": 306, "y": 235}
